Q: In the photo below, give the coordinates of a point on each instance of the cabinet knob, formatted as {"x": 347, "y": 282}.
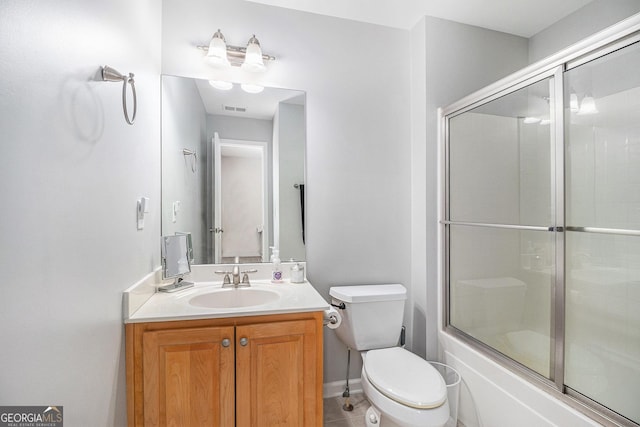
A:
{"x": 226, "y": 342}
{"x": 244, "y": 341}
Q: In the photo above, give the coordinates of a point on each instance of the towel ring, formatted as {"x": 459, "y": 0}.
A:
{"x": 194, "y": 160}
{"x": 111, "y": 75}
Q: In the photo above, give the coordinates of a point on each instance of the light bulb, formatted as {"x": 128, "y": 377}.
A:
{"x": 221, "y": 84}
{"x": 253, "y": 57}
{"x": 217, "y": 53}
{"x": 251, "y": 88}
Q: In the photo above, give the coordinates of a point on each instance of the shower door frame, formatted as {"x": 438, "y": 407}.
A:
{"x": 607, "y": 41}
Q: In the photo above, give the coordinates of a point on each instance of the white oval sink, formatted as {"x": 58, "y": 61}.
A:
{"x": 234, "y": 297}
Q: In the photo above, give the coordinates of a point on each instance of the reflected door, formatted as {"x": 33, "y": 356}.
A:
{"x": 240, "y": 200}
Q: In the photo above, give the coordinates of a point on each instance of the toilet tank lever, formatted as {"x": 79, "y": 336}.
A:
{"x": 341, "y": 306}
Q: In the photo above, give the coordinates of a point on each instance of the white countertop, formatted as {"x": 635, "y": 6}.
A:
{"x": 292, "y": 298}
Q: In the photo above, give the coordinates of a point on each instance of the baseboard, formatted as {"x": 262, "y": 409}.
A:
{"x": 336, "y": 388}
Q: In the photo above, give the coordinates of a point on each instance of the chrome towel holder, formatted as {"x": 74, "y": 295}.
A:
{"x": 111, "y": 75}
{"x": 194, "y": 160}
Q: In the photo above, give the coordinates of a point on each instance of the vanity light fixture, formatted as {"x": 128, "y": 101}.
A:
{"x": 249, "y": 58}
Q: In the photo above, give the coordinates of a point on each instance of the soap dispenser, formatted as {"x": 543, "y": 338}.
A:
{"x": 276, "y": 274}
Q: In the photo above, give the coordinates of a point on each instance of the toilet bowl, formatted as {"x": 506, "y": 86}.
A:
{"x": 403, "y": 389}
{"x": 406, "y": 389}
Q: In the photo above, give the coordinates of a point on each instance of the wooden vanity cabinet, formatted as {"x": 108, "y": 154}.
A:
{"x": 245, "y": 371}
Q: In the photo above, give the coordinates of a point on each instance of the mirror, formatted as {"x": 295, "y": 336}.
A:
{"x": 233, "y": 170}
{"x": 175, "y": 256}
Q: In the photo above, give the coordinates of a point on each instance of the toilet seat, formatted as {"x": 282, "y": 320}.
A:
{"x": 406, "y": 378}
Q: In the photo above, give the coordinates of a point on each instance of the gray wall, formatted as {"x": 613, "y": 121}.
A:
{"x": 184, "y": 126}
{"x": 358, "y": 149}
{"x": 239, "y": 128}
{"x": 588, "y": 20}
{"x": 458, "y": 60}
{"x": 71, "y": 173}
{"x": 290, "y": 157}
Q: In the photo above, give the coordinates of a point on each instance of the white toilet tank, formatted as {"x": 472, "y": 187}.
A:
{"x": 372, "y": 317}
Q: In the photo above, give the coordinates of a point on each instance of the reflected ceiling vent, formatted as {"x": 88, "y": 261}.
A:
{"x": 234, "y": 109}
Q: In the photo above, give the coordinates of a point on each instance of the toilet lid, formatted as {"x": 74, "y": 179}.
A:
{"x": 405, "y": 378}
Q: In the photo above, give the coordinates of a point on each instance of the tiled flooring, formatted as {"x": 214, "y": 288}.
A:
{"x": 334, "y": 416}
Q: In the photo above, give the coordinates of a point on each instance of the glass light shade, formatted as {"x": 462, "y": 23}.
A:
{"x": 588, "y": 106}
{"x": 251, "y": 88}
{"x": 253, "y": 58}
{"x": 221, "y": 84}
{"x": 217, "y": 53}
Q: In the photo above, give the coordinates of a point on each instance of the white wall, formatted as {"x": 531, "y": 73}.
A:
{"x": 71, "y": 171}
{"x": 184, "y": 126}
{"x": 358, "y": 151}
{"x": 242, "y": 196}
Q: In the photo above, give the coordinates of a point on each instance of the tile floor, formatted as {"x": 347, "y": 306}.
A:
{"x": 334, "y": 416}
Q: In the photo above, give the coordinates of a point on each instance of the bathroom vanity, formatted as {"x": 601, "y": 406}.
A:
{"x": 253, "y": 365}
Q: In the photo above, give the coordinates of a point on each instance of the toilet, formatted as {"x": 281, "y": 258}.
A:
{"x": 403, "y": 389}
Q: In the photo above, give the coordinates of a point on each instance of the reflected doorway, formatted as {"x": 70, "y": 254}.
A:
{"x": 240, "y": 206}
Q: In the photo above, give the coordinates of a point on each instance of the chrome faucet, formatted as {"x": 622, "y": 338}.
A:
{"x": 234, "y": 279}
{"x": 236, "y": 275}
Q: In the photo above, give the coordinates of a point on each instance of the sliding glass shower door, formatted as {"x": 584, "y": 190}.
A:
{"x": 602, "y": 357}
{"x": 541, "y": 228}
{"x": 501, "y": 218}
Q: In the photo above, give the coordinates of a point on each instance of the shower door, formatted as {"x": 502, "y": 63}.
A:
{"x": 602, "y": 357}
{"x": 541, "y": 228}
{"x": 501, "y": 222}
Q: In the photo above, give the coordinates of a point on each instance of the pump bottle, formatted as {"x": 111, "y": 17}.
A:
{"x": 276, "y": 274}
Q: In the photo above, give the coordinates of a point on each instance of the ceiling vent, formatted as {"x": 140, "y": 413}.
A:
{"x": 234, "y": 109}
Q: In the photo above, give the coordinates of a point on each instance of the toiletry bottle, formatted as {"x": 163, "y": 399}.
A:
{"x": 276, "y": 275}
{"x": 297, "y": 273}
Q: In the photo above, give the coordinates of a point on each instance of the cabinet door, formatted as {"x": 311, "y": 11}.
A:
{"x": 189, "y": 377}
{"x": 276, "y": 375}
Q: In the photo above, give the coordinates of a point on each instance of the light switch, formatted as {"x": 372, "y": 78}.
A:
{"x": 142, "y": 208}
{"x": 175, "y": 210}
